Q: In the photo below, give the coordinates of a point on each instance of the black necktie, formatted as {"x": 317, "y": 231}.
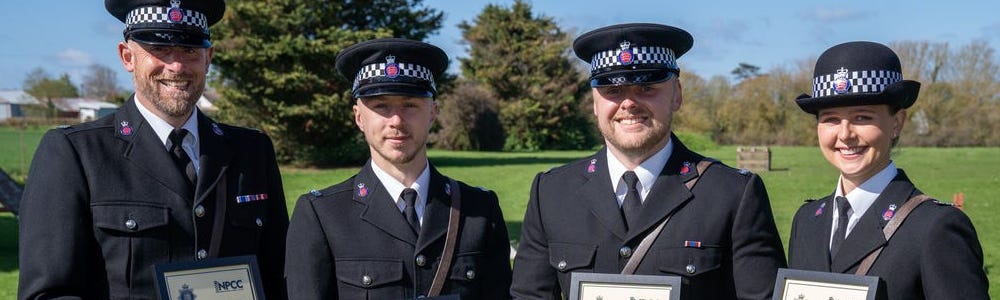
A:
{"x": 840, "y": 234}
{"x": 632, "y": 206}
{"x": 181, "y": 158}
{"x": 410, "y": 197}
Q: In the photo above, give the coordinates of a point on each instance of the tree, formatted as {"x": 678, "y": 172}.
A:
{"x": 100, "y": 83}
{"x": 745, "y": 71}
{"x": 524, "y": 61}
{"x": 274, "y": 63}
{"x": 39, "y": 85}
{"x": 469, "y": 119}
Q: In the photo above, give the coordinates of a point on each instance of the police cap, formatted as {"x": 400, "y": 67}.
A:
{"x": 632, "y": 53}
{"x": 168, "y": 22}
{"x": 858, "y": 73}
{"x": 392, "y": 66}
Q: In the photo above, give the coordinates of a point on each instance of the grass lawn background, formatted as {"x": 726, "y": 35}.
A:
{"x": 797, "y": 173}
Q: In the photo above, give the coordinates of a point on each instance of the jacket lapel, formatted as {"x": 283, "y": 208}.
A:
{"x": 867, "y": 235}
{"x": 668, "y": 191}
{"x": 436, "y": 212}
{"x": 380, "y": 209}
{"x": 596, "y": 192}
{"x": 146, "y": 151}
{"x": 816, "y": 232}
{"x": 215, "y": 156}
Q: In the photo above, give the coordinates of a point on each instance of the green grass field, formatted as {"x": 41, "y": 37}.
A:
{"x": 797, "y": 173}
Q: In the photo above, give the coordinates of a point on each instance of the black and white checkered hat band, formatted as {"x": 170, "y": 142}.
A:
{"x": 158, "y": 14}
{"x": 377, "y": 72}
{"x": 869, "y": 81}
{"x": 640, "y": 56}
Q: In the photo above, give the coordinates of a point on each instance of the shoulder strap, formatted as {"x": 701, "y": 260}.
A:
{"x": 890, "y": 229}
{"x": 640, "y": 251}
{"x": 449, "y": 242}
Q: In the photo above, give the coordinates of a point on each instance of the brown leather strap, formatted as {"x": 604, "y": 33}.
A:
{"x": 640, "y": 251}
{"x": 890, "y": 229}
{"x": 449, "y": 243}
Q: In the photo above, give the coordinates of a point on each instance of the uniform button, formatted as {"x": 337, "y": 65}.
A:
{"x": 625, "y": 251}
{"x": 260, "y": 223}
{"x": 690, "y": 269}
{"x": 131, "y": 224}
{"x": 470, "y": 274}
{"x": 202, "y": 254}
{"x": 561, "y": 265}
{"x": 421, "y": 260}
{"x": 366, "y": 280}
{"x": 199, "y": 211}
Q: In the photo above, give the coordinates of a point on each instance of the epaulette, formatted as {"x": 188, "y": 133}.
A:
{"x": 316, "y": 193}
{"x": 64, "y": 126}
{"x": 942, "y": 203}
{"x": 744, "y": 171}
{"x": 483, "y": 189}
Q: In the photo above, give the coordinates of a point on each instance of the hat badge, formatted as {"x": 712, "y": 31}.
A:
{"x": 175, "y": 13}
{"x": 840, "y": 82}
{"x": 391, "y": 68}
{"x": 625, "y": 56}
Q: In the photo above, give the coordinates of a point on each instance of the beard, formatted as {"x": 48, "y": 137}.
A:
{"x": 174, "y": 103}
{"x": 639, "y": 144}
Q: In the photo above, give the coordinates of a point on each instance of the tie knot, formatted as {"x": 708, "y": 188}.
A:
{"x": 177, "y": 137}
{"x": 630, "y": 179}
{"x": 842, "y": 205}
{"x": 410, "y": 197}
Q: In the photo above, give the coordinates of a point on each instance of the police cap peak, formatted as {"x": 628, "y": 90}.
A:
{"x": 632, "y": 53}
{"x": 392, "y": 66}
{"x": 168, "y": 22}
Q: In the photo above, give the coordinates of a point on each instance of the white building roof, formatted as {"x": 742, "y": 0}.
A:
{"x": 16, "y": 97}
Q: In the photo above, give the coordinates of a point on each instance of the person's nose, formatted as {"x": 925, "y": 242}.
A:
{"x": 845, "y": 131}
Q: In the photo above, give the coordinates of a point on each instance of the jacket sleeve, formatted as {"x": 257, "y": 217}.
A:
{"x": 272, "y": 245}
{"x": 534, "y": 278}
{"x": 497, "y": 286}
{"x": 951, "y": 265}
{"x": 309, "y": 267}
{"x": 757, "y": 250}
{"x": 58, "y": 255}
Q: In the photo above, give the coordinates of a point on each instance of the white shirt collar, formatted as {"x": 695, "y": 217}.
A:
{"x": 647, "y": 171}
{"x": 862, "y": 197}
{"x": 395, "y": 188}
{"x": 163, "y": 129}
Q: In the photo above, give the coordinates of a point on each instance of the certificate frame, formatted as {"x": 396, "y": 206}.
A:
{"x": 792, "y": 284}
{"x": 235, "y": 277}
{"x": 584, "y": 286}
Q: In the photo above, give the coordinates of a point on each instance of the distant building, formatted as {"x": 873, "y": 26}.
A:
{"x": 12, "y": 103}
{"x": 84, "y": 108}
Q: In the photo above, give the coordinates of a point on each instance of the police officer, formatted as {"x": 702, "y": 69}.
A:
{"x": 157, "y": 182}
{"x": 384, "y": 233}
{"x": 590, "y": 215}
{"x": 860, "y": 99}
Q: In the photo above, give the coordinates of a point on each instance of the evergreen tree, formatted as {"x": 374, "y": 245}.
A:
{"x": 274, "y": 67}
{"x": 524, "y": 60}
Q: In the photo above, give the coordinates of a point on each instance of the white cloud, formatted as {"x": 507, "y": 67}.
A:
{"x": 73, "y": 57}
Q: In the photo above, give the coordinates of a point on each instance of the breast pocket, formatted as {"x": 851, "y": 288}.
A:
{"x": 248, "y": 219}
{"x": 699, "y": 268}
{"x": 567, "y": 258}
{"x": 370, "y": 279}
{"x": 132, "y": 236}
{"x": 465, "y": 273}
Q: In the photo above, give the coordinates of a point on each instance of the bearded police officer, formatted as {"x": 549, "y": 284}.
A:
{"x": 399, "y": 228}
{"x": 589, "y": 216}
{"x": 157, "y": 182}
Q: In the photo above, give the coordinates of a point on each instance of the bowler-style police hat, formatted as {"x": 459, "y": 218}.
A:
{"x": 637, "y": 53}
{"x": 392, "y": 66}
{"x": 858, "y": 73}
{"x": 168, "y": 22}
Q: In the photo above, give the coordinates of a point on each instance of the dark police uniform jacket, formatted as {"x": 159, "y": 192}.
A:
{"x": 934, "y": 254}
{"x": 573, "y": 223}
{"x": 104, "y": 203}
{"x": 350, "y": 241}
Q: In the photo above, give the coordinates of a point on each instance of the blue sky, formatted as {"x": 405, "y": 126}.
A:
{"x": 68, "y": 36}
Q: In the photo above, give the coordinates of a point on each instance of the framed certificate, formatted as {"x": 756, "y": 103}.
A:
{"x": 223, "y": 278}
{"x": 804, "y": 285}
{"x": 595, "y": 286}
